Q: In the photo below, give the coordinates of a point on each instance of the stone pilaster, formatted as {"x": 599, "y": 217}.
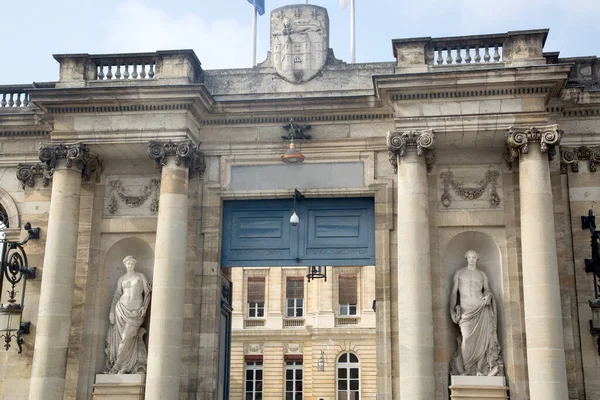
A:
{"x": 411, "y": 153}
{"x": 67, "y": 164}
{"x": 178, "y": 161}
{"x": 541, "y": 289}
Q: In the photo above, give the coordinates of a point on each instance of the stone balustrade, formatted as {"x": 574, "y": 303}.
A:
{"x": 14, "y": 96}
{"x": 517, "y": 48}
{"x": 115, "y": 67}
{"x": 466, "y": 49}
{"x": 168, "y": 67}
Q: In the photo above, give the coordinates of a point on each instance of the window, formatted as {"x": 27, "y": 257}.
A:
{"x": 293, "y": 380}
{"x": 347, "y": 295}
{"x": 254, "y": 380}
{"x": 256, "y": 297}
{"x": 295, "y": 297}
{"x": 348, "y": 377}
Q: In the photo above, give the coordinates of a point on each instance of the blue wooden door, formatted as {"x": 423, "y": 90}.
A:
{"x": 331, "y": 232}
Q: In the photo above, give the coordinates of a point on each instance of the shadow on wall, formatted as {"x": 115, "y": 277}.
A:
{"x": 113, "y": 269}
{"x": 490, "y": 262}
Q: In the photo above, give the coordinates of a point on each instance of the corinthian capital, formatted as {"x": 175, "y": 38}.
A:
{"x": 184, "y": 152}
{"x": 76, "y": 155}
{"x": 519, "y": 138}
{"x": 421, "y": 141}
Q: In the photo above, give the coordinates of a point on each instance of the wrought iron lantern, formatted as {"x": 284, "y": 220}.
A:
{"x": 292, "y": 155}
{"x": 593, "y": 265}
{"x": 316, "y": 272}
{"x": 15, "y": 270}
{"x": 321, "y": 362}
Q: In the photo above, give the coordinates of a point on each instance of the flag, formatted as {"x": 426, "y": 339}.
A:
{"x": 343, "y": 4}
{"x": 260, "y": 6}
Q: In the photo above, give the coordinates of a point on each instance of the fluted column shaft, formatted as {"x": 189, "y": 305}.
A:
{"x": 168, "y": 286}
{"x": 56, "y": 295}
{"x": 541, "y": 288}
{"x": 415, "y": 310}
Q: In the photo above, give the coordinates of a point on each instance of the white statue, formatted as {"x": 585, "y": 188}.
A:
{"x": 473, "y": 308}
{"x": 125, "y": 349}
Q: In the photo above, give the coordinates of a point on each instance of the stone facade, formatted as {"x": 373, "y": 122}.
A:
{"x": 493, "y": 178}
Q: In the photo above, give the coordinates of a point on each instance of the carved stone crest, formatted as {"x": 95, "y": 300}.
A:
{"x": 299, "y": 41}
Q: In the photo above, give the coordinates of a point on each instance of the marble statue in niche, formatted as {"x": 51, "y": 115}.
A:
{"x": 473, "y": 308}
{"x": 125, "y": 349}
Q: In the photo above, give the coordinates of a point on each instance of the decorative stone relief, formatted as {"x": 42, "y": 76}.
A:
{"x": 251, "y": 348}
{"x": 572, "y": 156}
{"x": 118, "y": 192}
{"x": 518, "y": 139}
{"x": 474, "y": 187}
{"x": 293, "y": 348}
{"x": 473, "y": 308}
{"x": 185, "y": 152}
{"x": 76, "y": 155}
{"x": 299, "y": 41}
{"x": 131, "y": 196}
{"x": 125, "y": 348}
{"x": 422, "y": 141}
{"x": 27, "y": 174}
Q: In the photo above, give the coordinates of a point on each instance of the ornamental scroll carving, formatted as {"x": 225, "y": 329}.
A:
{"x": 519, "y": 138}
{"x": 422, "y": 141}
{"x": 572, "y": 156}
{"x": 293, "y": 348}
{"x": 118, "y": 194}
{"x": 76, "y": 155}
{"x": 28, "y": 173}
{"x": 184, "y": 152}
{"x": 472, "y": 192}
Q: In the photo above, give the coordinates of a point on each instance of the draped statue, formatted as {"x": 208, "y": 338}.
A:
{"x": 473, "y": 308}
{"x": 125, "y": 349}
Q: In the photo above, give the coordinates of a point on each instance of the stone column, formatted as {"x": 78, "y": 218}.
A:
{"x": 274, "y": 299}
{"x": 177, "y": 160}
{"x": 67, "y": 163}
{"x": 541, "y": 290}
{"x": 410, "y": 154}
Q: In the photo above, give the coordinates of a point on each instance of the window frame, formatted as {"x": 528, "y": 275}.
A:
{"x": 256, "y": 307}
{"x": 294, "y": 365}
{"x": 253, "y": 366}
{"x": 347, "y": 365}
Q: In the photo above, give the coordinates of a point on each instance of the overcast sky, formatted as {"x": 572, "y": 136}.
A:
{"x": 219, "y": 31}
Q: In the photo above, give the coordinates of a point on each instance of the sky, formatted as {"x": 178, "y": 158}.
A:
{"x": 219, "y": 31}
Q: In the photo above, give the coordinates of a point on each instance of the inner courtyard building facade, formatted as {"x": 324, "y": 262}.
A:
{"x": 481, "y": 143}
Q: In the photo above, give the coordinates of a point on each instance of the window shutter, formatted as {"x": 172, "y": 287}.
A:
{"x": 256, "y": 290}
{"x": 295, "y": 288}
{"x": 347, "y": 289}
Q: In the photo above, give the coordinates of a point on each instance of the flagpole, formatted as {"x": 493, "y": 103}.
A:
{"x": 352, "y": 42}
{"x": 253, "y": 57}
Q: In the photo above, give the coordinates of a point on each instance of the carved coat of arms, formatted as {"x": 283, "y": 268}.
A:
{"x": 299, "y": 41}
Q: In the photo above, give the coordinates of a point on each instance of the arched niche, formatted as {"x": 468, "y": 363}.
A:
{"x": 490, "y": 262}
{"x": 113, "y": 268}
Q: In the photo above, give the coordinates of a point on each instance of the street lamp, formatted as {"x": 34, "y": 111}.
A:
{"x": 593, "y": 265}
{"x": 321, "y": 362}
{"x": 16, "y": 271}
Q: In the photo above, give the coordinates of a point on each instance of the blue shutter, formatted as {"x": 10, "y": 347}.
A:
{"x": 331, "y": 232}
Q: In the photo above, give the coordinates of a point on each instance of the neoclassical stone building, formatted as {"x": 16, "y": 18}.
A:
{"x": 482, "y": 143}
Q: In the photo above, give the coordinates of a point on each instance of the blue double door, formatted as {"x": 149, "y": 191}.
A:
{"x": 331, "y": 231}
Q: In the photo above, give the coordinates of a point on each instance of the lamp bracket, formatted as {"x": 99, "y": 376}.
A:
{"x": 295, "y": 131}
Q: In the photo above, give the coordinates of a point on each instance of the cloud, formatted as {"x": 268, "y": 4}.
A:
{"x": 223, "y": 43}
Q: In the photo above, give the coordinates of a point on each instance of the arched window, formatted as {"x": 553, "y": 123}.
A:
{"x": 4, "y": 217}
{"x": 348, "y": 377}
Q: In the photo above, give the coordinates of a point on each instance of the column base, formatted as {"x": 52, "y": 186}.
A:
{"x": 478, "y": 387}
{"x": 119, "y": 387}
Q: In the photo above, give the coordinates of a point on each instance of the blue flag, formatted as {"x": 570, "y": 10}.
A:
{"x": 260, "y": 6}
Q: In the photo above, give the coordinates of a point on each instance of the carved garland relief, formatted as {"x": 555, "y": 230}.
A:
{"x": 462, "y": 188}
{"x": 134, "y": 193}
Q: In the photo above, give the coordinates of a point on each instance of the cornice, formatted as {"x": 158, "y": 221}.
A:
{"x": 467, "y": 82}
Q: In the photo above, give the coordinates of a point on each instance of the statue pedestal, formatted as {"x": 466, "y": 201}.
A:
{"x": 119, "y": 387}
{"x": 478, "y": 387}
